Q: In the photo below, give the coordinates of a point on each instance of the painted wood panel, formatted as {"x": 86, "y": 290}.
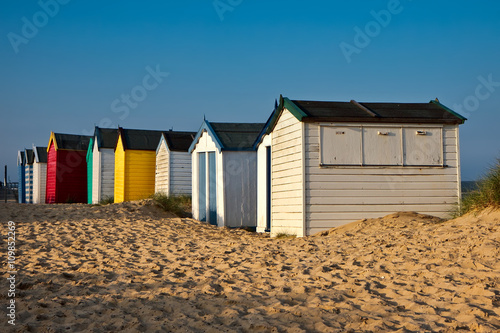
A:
{"x": 71, "y": 177}
{"x": 119, "y": 190}
{"x": 39, "y": 182}
{"x": 107, "y": 171}
{"x": 240, "y": 178}
{"x": 202, "y": 186}
{"x": 212, "y": 188}
{"x": 66, "y": 176}
{"x": 180, "y": 165}
{"x": 341, "y": 145}
{"x": 363, "y": 144}
{"x": 139, "y": 174}
{"x": 287, "y": 151}
{"x": 90, "y": 168}
{"x": 173, "y": 171}
{"x": 96, "y": 172}
{"x": 339, "y": 195}
{"x": 263, "y": 197}
{"x": 381, "y": 185}
{"x": 50, "y": 193}
{"x": 423, "y": 146}
{"x": 382, "y": 146}
{"x": 162, "y": 169}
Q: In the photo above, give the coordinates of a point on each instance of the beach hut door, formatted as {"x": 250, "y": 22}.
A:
{"x": 212, "y": 189}
{"x": 202, "y": 186}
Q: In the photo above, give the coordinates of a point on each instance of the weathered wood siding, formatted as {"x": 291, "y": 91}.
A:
{"x": 240, "y": 179}
{"x": 103, "y": 173}
{"x": 39, "y": 182}
{"x": 342, "y": 194}
{"x": 180, "y": 173}
{"x": 107, "y": 173}
{"x": 287, "y": 211}
{"x": 162, "y": 169}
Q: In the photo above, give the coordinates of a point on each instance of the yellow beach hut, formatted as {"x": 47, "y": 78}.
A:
{"x": 135, "y": 164}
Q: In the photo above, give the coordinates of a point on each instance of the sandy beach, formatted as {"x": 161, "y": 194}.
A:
{"x": 131, "y": 267}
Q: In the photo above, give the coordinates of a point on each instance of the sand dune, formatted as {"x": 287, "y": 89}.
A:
{"x": 130, "y": 267}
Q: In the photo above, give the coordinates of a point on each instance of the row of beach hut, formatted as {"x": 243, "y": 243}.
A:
{"x": 312, "y": 166}
{"x": 118, "y": 164}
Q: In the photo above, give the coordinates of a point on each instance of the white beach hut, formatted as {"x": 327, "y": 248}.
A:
{"x": 39, "y": 174}
{"x": 102, "y": 153}
{"x": 224, "y": 163}
{"x": 173, "y": 163}
{"x": 336, "y": 162}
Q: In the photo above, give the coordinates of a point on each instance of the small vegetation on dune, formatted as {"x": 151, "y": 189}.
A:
{"x": 180, "y": 205}
{"x": 487, "y": 193}
{"x": 284, "y": 235}
{"x": 107, "y": 200}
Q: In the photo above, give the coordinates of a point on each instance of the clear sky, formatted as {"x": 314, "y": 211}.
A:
{"x": 67, "y": 65}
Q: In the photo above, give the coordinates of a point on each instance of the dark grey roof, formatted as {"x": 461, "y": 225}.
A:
{"x": 179, "y": 141}
{"x": 411, "y": 110}
{"x": 140, "y": 139}
{"x": 29, "y": 156}
{"x": 237, "y": 136}
{"x": 41, "y": 152}
{"x": 432, "y": 112}
{"x": 106, "y": 137}
{"x": 72, "y": 141}
{"x": 318, "y": 109}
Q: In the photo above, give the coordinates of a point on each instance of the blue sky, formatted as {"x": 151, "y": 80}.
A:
{"x": 230, "y": 59}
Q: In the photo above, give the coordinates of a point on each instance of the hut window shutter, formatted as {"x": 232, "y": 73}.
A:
{"x": 423, "y": 146}
{"x": 382, "y": 146}
{"x": 340, "y": 145}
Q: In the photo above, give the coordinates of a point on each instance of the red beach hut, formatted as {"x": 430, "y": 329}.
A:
{"x": 66, "y": 168}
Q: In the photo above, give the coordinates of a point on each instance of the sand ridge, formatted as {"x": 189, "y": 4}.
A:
{"x": 133, "y": 268}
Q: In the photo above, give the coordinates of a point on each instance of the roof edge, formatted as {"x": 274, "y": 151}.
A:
{"x": 290, "y": 106}
{"x": 207, "y": 127}
{"x": 293, "y": 108}
{"x": 52, "y": 139}
{"x": 120, "y": 135}
{"x": 20, "y": 157}
{"x": 462, "y": 118}
{"x": 162, "y": 139}
{"x": 35, "y": 153}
